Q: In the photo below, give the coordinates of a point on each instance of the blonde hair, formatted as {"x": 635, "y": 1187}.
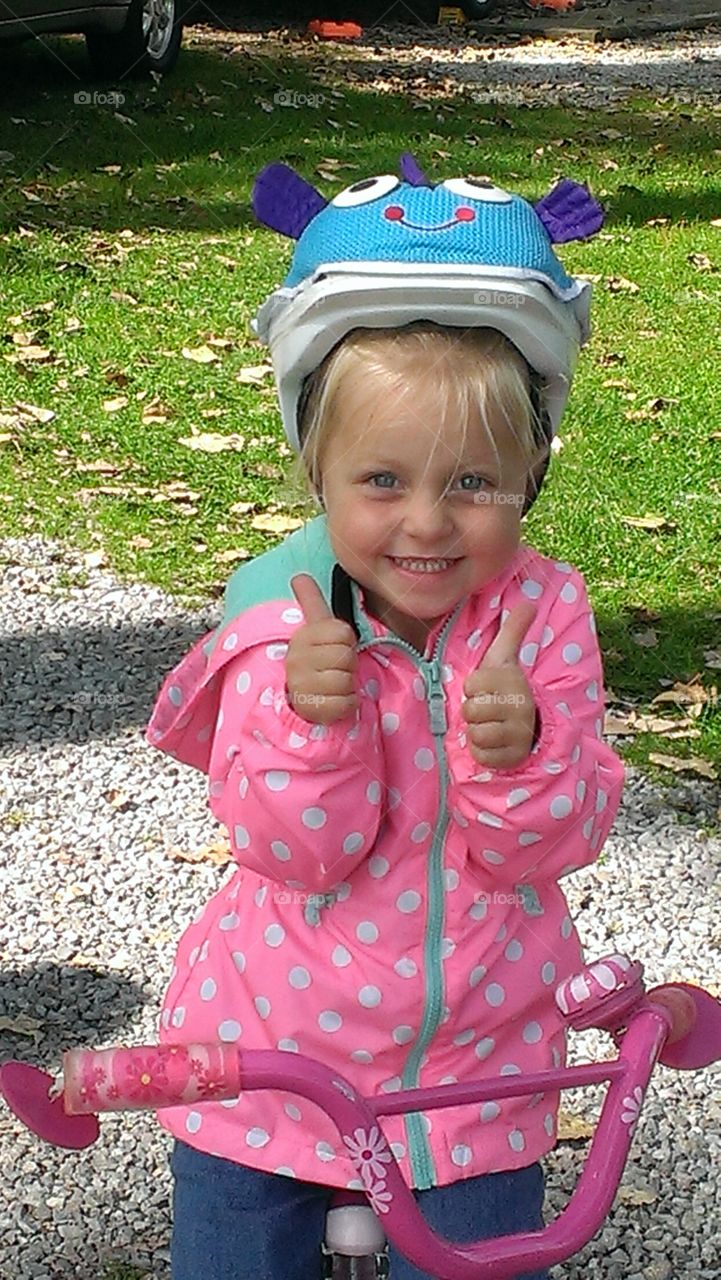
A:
{"x": 464, "y": 369}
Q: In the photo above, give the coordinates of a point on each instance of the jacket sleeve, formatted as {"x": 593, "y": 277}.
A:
{"x": 550, "y": 814}
{"x": 302, "y": 802}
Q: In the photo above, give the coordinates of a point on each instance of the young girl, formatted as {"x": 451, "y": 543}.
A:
{"x": 401, "y": 720}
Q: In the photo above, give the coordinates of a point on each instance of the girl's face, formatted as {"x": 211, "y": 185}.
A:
{"x": 417, "y": 516}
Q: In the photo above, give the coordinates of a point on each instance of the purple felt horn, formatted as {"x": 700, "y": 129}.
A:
{"x": 569, "y": 212}
{"x": 284, "y": 201}
{"x": 411, "y": 171}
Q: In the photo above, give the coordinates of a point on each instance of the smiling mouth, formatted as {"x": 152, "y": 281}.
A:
{"x": 423, "y": 564}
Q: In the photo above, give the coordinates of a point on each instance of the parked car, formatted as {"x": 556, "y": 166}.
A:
{"x": 123, "y": 37}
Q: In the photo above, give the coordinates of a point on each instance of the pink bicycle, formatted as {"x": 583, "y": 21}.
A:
{"x": 677, "y": 1024}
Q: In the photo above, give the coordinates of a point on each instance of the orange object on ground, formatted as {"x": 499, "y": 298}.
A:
{"x": 334, "y": 30}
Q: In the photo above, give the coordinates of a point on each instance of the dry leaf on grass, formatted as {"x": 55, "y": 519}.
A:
{"x": 619, "y": 284}
{"x": 652, "y": 523}
{"x": 275, "y": 522}
{"x": 646, "y": 639}
{"x": 253, "y": 375}
{"x": 692, "y": 694}
{"x": 209, "y": 442}
{"x": 201, "y": 355}
{"x": 692, "y": 765}
{"x": 228, "y": 557}
{"x": 34, "y": 412}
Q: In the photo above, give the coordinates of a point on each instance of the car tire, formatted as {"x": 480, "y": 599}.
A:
{"x": 149, "y": 41}
{"x": 477, "y": 10}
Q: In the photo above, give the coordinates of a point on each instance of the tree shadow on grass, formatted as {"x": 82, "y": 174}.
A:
{"x": 239, "y": 99}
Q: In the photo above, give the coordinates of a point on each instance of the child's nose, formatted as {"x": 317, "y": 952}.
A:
{"x": 426, "y": 517}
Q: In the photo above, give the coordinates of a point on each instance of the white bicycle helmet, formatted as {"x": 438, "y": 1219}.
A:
{"x": 387, "y": 251}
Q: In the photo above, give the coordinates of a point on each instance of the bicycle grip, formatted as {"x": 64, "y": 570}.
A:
{"x": 147, "y": 1077}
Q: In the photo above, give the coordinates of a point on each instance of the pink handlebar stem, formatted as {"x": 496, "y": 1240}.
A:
{"x": 172, "y": 1075}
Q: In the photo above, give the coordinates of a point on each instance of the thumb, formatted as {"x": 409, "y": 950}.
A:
{"x": 507, "y": 644}
{"x": 310, "y": 598}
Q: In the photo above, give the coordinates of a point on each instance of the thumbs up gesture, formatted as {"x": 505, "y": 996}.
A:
{"x": 498, "y": 707}
{"x": 321, "y": 662}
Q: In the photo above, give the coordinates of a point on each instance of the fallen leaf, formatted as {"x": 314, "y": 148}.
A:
{"x": 275, "y": 522}
{"x": 209, "y": 442}
{"x": 646, "y": 639}
{"x": 701, "y": 262}
{"x": 217, "y": 852}
{"x": 241, "y": 508}
{"x": 636, "y": 1195}
{"x": 20, "y": 1026}
{"x": 619, "y": 284}
{"x": 686, "y": 694}
{"x": 35, "y": 412}
{"x": 117, "y": 799}
{"x": 691, "y": 765}
{"x": 41, "y": 354}
{"x": 117, "y": 295}
{"x": 201, "y": 355}
{"x": 112, "y": 406}
{"x": 100, "y": 466}
{"x": 572, "y": 1128}
{"x": 649, "y": 522}
{"x": 228, "y": 557}
{"x": 254, "y": 374}
{"x": 156, "y": 412}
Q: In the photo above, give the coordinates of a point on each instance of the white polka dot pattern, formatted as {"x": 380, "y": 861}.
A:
{"x": 351, "y": 811}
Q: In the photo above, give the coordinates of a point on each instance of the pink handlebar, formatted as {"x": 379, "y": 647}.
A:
{"x": 678, "y": 1024}
{"x": 115, "y": 1079}
{"x": 146, "y": 1077}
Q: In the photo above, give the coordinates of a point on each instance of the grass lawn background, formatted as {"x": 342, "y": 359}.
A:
{"x": 126, "y": 235}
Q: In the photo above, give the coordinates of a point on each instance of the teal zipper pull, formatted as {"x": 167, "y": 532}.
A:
{"x": 436, "y": 698}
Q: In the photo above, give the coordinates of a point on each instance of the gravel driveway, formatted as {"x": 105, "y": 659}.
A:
{"x": 94, "y": 899}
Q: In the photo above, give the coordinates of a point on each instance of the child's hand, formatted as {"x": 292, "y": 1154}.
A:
{"x": 321, "y": 661}
{"x": 499, "y": 708}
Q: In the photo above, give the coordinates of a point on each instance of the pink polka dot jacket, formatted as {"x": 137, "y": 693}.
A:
{"x": 396, "y": 910}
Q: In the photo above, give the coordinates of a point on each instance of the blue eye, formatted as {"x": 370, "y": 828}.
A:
{"x": 382, "y": 479}
{"x": 471, "y": 483}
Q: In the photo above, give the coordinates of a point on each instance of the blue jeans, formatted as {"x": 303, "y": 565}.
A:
{"x": 231, "y": 1222}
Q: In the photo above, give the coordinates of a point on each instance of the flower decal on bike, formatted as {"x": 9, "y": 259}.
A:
{"x": 632, "y": 1110}
{"x": 369, "y": 1152}
{"x": 146, "y": 1076}
{"x": 379, "y": 1198}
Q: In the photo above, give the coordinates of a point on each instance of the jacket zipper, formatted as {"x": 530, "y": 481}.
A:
{"x": 419, "y": 1153}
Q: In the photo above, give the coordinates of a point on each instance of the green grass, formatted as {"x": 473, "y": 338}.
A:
{"x": 114, "y": 273}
